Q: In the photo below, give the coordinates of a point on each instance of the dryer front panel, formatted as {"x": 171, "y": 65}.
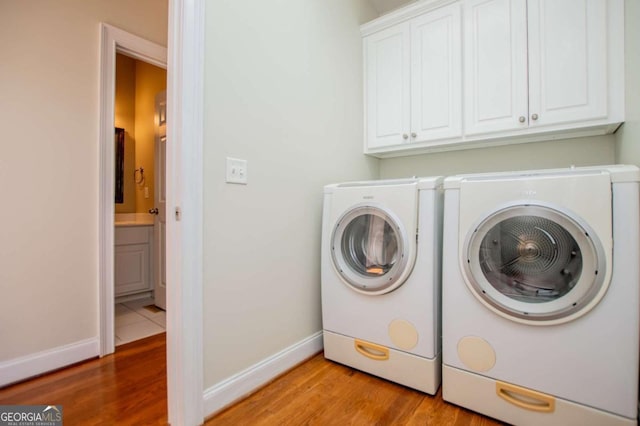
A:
{"x": 534, "y": 263}
{"x": 369, "y": 249}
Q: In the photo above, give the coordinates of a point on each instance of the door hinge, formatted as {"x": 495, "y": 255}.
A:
{"x": 178, "y": 213}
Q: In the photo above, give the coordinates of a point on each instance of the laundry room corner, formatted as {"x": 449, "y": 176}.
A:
{"x": 627, "y": 147}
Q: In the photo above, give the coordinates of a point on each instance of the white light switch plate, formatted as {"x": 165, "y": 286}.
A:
{"x": 236, "y": 171}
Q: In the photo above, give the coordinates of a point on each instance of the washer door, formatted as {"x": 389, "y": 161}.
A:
{"x": 535, "y": 264}
{"x": 369, "y": 250}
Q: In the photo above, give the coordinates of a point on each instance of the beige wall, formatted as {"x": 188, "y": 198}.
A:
{"x": 150, "y": 80}
{"x": 49, "y": 86}
{"x": 125, "y": 117}
{"x": 628, "y": 137}
{"x": 538, "y": 155}
{"x": 283, "y": 90}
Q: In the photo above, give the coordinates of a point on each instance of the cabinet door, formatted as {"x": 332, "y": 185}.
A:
{"x": 567, "y": 61}
{"x": 436, "y": 75}
{"x": 495, "y": 69}
{"x": 387, "y": 63}
{"x": 131, "y": 268}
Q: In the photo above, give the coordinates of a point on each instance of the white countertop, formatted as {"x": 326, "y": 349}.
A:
{"x": 133, "y": 219}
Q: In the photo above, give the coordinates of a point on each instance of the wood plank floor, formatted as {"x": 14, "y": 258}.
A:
{"x": 129, "y": 388}
{"x": 125, "y": 388}
{"x": 321, "y": 392}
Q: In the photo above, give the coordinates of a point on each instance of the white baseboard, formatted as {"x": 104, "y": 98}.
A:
{"x": 234, "y": 388}
{"x": 22, "y": 368}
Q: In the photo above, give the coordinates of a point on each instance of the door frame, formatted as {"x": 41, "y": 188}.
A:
{"x": 113, "y": 40}
{"x": 184, "y": 179}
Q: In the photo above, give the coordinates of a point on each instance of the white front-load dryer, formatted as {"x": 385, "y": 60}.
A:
{"x": 381, "y": 278}
{"x": 541, "y": 297}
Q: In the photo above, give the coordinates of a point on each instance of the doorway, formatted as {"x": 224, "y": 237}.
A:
{"x": 184, "y": 258}
{"x": 139, "y": 255}
{"x": 114, "y": 41}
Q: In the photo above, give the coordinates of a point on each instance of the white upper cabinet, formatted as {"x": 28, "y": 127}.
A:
{"x": 447, "y": 74}
{"x": 436, "y": 80}
{"x": 387, "y": 59}
{"x": 567, "y": 61}
{"x": 413, "y": 80}
{"x": 495, "y": 73}
{"x": 534, "y": 63}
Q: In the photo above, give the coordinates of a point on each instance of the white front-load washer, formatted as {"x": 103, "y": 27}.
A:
{"x": 381, "y": 278}
{"x": 540, "y": 303}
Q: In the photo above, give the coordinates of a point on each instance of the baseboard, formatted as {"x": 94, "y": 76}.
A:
{"x": 236, "y": 387}
{"x": 22, "y": 368}
{"x": 132, "y": 297}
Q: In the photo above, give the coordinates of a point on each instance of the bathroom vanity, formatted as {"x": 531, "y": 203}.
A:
{"x": 133, "y": 255}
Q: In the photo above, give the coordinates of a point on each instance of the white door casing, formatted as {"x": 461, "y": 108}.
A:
{"x": 113, "y": 40}
{"x": 184, "y": 178}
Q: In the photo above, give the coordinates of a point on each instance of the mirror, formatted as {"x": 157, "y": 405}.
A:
{"x": 119, "y": 146}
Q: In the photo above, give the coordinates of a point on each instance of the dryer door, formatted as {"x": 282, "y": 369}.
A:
{"x": 535, "y": 264}
{"x": 369, "y": 250}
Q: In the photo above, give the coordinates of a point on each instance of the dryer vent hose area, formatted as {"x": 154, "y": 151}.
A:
{"x": 530, "y": 258}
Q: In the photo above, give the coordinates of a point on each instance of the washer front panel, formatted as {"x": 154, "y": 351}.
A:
{"x": 562, "y": 358}
{"x": 369, "y": 249}
{"x": 534, "y": 263}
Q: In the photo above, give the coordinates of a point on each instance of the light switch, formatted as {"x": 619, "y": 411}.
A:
{"x": 236, "y": 171}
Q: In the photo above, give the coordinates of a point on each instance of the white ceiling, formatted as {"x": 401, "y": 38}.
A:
{"x": 384, "y": 6}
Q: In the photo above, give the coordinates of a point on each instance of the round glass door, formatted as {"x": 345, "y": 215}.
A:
{"x": 369, "y": 250}
{"x": 534, "y": 263}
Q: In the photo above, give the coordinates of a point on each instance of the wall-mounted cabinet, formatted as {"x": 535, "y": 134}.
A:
{"x": 413, "y": 85}
{"x": 534, "y": 63}
{"x": 530, "y": 70}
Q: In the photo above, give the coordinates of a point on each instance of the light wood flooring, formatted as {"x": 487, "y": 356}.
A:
{"x": 125, "y": 388}
{"x": 321, "y": 392}
{"x": 129, "y": 388}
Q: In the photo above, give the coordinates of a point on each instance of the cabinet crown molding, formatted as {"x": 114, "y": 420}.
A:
{"x": 402, "y": 14}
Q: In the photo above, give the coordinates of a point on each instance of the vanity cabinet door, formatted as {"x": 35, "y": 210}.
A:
{"x": 436, "y": 75}
{"x": 132, "y": 259}
{"x": 132, "y": 268}
{"x": 387, "y": 85}
{"x": 495, "y": 65}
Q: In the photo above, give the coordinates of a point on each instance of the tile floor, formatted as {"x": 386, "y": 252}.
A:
{"x": 133, "y": 321}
